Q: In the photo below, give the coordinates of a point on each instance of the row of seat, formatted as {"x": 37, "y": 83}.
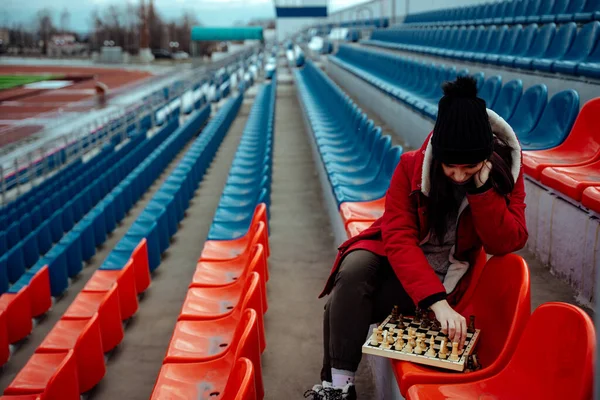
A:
{"x": 249, "y": 181}
{"x": 358, "y": 159}
{"x": 220, "y": 328}
{"x": 61, "y": 206}
{"x": 31, "y": 295}
{"x": 565, "y": 49}
{"x": 510, "y": 12}
{"x": 111, "y": 295}
{"x": 504, "y": 348}
{"x": 539, "y": 123}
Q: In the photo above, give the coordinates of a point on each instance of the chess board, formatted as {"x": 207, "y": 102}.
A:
{"x": 390, "y": 352}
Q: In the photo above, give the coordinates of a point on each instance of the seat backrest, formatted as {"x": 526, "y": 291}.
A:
{"x": 542, "y": 41}
{"x": 545, "y": 7}
{"x": 591, "y": 6}
{"x": 510, "y": 9}
{"x": 566, "y": 372}
{"x": 485, "y": 38}
{"x": 559, "y": 7}
{"x": 574, "y": 6}
{"x": 562, "y": 41}
{"x": 509, "y": 96}
{"x": 392, "y": 158}
{"x": 251, "y": 293}
{"x": 496, "y": 39}
{"x": 532, "y": 7}
{"x": 529, "y": 110}
{"x": 584, "y": 42}
{"x": 489, "y": 91}
{"x": 585, "y": 133}
{"x": 520, "y": 8}
{"x": 527, "y": 36}
{"x": 381, "y": 148}
{"x": 558, "y": 117}
{"x": 240, "y": 384}
{"x": 479, "y": 78}
{"x": 501, "y": 305}
{"x": 245, "y": 343}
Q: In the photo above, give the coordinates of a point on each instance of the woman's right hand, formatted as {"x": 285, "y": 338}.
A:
{"x": 452, "y": 323}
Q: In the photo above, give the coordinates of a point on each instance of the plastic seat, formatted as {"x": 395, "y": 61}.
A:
{"x": 538, "y": 48}
{"x": 4, "y": 343}
{"x": 591, "y": 198}
{"x": 557, "y": 375}
{"x": 15, "y": 261}
{"x": 241, "y": 383}
{"x": 560, "y": 44}
{"x": 555, "y": 123}
{"x": 581, "y": 48}
{"x": 572, "y": 181}
{"x": 362, "y": 211}
{"x": 17, "y": 309}
{"x": 205, "y": 303}
{"x": 54, "y": 376}
{"x": 591, "y": 65}
{"x": 529, "y": 110}
{"x": 490, "y": 90}
{"x": 204, "y": 379}
{"x": 85, "y": 339}
{"x": 582, "y": 145}
{"x": 591, "y": 11}
{"x": 106, "y": 304}
{"x": 104, "y": 280}
{"x": 573, "y": 7}
{"x": 229, "y": 249}
{"x": 508, "y": 98}
{"x": 524, "y": 42}
{"x": 36, "y": 282}
{"x": 356, "y": 227}
{"x": 503, "y": 287}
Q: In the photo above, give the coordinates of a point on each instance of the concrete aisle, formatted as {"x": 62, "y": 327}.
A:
{"x": 29, "y": 345}
{"x": 133, "y": 367}
{"x": 302, "y": 251}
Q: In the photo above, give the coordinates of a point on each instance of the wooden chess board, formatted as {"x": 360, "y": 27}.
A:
{"x": 390, "y": 352}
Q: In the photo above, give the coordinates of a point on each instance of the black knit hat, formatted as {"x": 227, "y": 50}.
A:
{"x": 462, "y": 132}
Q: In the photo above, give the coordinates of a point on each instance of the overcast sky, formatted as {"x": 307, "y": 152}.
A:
{"x": 210, "y": 12}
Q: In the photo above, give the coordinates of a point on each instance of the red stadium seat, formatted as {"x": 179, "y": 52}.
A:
{"x": 240, "y": 385}
{"x": 141, "y": 266}
{"x": 228, "y": 249}
{"x": 582, "y": 145}
{"x": 22, "y": 397}
{"x": 4, "y": 343}
{"x": 572, "y": 181}
{"x": 362, "y": 211}
{"x": 39, "y": 292}
{"x": 215, "y": 303}
{"x": 196, "y": 380}
{"x": 223, "y": 273}
{"x": 591, "y": 198}
{"x": 354, "y": 228}
{"x": 106, "y": 304}
{"x": 103, "y": 280}
{"x": 501, "y": 304}
{"x": 54, "y": 376}
{"x": 85, "y": 339}
{"x": 553, "y": 372}
{"x": 17, "y": 309}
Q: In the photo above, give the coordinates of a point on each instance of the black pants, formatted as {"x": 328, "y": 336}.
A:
{"x": 366, "y": 289}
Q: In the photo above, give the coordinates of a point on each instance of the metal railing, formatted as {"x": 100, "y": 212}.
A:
{"x": 19, "y": 173}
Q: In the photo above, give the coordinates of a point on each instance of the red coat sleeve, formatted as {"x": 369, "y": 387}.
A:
{"x": 400, "y": 234}
{"x": 500, "y": 224}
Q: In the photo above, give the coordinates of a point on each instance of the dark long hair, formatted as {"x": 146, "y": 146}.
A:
{"x": 441, "y": 201}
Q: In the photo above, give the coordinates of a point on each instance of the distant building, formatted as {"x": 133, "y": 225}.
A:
{"x": 66, "y": 45}
{"x": 4, "y": 37}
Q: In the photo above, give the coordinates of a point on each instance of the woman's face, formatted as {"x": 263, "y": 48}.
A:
{"x": 461, "y": 173}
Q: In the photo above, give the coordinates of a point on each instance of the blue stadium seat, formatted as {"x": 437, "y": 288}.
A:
{"x": 555, "y": 124}
{"x": 562, "y": 42}
{"x": 538, "y": 47}
{"x": 573, "y": 7}
{"x": 529, "y": 110}
{"x": 494, "y": 44}
{"x": 591, "y": 11}
{"x": 591, "y": 66}
{"x": 559, "y": 7}
{"x": 530, "y": 10}
{"x": 581, "y": 48}
{"x": 509, "y": 97}
{"x": 524, "y": 42}
{"x": 490, "y": 90}
{"x": 545, "y": 8}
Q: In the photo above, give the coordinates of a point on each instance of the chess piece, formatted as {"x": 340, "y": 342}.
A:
{"x": 431, "y": 352}
{"x": 409, "y": 347}
{"x": 454, "y": 356}
{"x": 400, "y": 320}
{"x": 471, "y": 327}
{"x": 386, "y": 342}
{"x": 425, "y": 323}
{"x": 379, "y": 334}
{"x": 419, "y": 347}
{"x": 399, "y": 332}
{"x": 390, "y": 338}
{"x": 394, "y": 317}
{"x": 374, "y": 337}
{"x": 435, "y": 325}
{"x": 399, "y": 343}
{"x": 417, "y": 318}
{"x": 412, "y": 342}
{"x": 423, "y": 344}
{"x": 443, "y": 349}
{"x": 474, "y": 362}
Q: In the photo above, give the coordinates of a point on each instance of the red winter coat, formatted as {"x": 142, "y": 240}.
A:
{"x": 491, "y": 220}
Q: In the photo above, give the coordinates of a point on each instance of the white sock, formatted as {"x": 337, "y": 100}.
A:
{"x": 341, "y": 377}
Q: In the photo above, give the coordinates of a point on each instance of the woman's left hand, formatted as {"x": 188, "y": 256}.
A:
{"x": 483, "y": 174}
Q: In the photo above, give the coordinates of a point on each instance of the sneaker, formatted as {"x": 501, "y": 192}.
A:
{"x": 326, "y": 391}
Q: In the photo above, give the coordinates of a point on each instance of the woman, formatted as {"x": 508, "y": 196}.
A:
{"x": 461, "y": 192}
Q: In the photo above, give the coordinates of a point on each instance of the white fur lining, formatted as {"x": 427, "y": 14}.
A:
{"x": 501, "y": 129}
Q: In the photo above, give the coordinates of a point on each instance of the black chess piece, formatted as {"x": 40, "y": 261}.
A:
{"x": 425, "y": 323}
{"x": 435, "y": 325}
{"x": 418, "y": 313}
{"x": 394, "y": 317}
{"x": 471, "y": 327}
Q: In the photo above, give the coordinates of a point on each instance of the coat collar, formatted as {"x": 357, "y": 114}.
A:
{"x": 500, "y": 128}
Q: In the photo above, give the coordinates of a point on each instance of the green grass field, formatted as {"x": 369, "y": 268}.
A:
{"x": 11, "y": 81}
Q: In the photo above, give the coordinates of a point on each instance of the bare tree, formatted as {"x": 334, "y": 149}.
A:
{"x": 65, "y": 20}
{"x": 45, "y": 26}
